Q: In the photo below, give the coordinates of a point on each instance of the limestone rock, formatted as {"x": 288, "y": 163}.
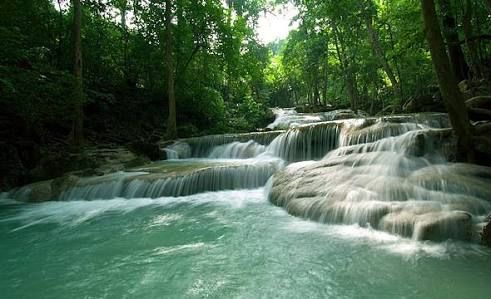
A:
{"x": 486, "y": 232}
{"x": 40, "y": 191}
{"x": 455, "y": 225}
{"x": 60, "y": 184}
{"x": 480, "y": 102}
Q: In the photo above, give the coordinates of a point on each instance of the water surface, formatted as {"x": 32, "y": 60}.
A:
{"x": 228, "y": 244}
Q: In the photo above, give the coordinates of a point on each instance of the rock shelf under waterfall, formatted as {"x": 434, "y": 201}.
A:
{"x": 166, "y": 178}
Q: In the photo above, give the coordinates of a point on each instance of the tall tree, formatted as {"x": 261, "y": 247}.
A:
{"x": 457, "y": 58}
{"x": 447, "y": 82}
{"x": 169, "y": 63}
{"x": 488, "y": 4}
{"x": 78, "y": 123}
{"x": 472, "y": 45}
{"x": 378, "y": 49}
{"x": 347, "y": 67}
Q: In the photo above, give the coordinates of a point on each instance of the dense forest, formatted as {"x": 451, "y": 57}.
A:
{"x": 77, "y": 73}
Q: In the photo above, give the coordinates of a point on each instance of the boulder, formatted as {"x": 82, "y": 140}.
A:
{"x": 12, "y": 169}
{"x": 40, "y": 191}
{"x": 482, "y": 146}
{"x": 423, "y": 103}
{"x": 466, "y": 89}
{"x": 480, "y": 102}
{"x": 60, "y": 184}
{"x": 482, "y": 128}
{"x": 148, "y": 149}
{"x": 486, "y": 232}
{"x": 441, "y": 226}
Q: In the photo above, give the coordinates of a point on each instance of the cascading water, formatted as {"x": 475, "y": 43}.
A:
{"x": 288, "y": 118}
{"x": 173, "y": 178}
{"x": 393, "y": 177}
{"x": 238, "y": 150}
{"x": 202, "y": 147}
{"x": 200, "y": 224}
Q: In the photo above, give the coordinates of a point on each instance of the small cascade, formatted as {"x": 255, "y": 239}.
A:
{"x": 178, "y": 150}
{"x": 313, "y": 141}
{"x": 184, "y": 177}
{"x": 306, "y": 142}
{"x": 437, "y": 143}
{"x": 230, "y": 175}
{"x": 356, "y": 133}
{"x": 202, "y": 147}
{"x": 309, "y": 141}
{"x": 289, "y": 118}
{"x": 237, "y": 150}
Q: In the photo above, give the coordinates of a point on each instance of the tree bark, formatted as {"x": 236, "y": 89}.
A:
{"x": 324, "y": 84}
{"x": 171, "y": 121}
{"x": 488, "y": 5}
{"x": 59, "y": 50}
{"x": 447, "y": 82}
{"x": 380, "y": 53}
{"x": 457, "y": 57}
{"x": 124, "y": 28}
{"x": 347, "y": 70}
{"x": 78, "y": 122}
{"x": 471, "y": 44}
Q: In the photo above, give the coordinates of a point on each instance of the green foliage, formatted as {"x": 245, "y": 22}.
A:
{"x": 39, "y": 98}
{"x": 333, "y": 50}
{"x": 225, "y": 79}
{"x": 218, "y": 62}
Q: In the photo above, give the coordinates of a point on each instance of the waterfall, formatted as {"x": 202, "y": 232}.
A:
{"x": 401, "y": 184}
{"x": 289, "y": 118}
{"x": 306, "y": 142}
{"x": 202, "y": 147}
{"x": 237, "y": 150}
{"x": 313, "y": 141}
{"x": 181, "y": 178}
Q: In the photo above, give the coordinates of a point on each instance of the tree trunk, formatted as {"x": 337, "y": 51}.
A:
{"x": 347, "y": 70}
{"x": 124, "y": 27}
{"x": 316, "y": 88}
{"x": 471, "y": 44}
{"x": 59, "y": 50}
{"x": 395, "y": 61}
{"x": 78, "y": 122}
{"x": 324, "y": 85}
{"x": 488, "y": 5}
{"x": 171, "y": 121}
{"x": 457, "y": 58}
{"x": 447, "y": 82}
{"x": 380, "y": 54}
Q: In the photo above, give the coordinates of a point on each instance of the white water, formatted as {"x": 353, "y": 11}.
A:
{"x": 391, "y": 176}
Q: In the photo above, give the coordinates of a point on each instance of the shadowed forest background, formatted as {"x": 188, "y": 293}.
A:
{"x": 133, "y": 56}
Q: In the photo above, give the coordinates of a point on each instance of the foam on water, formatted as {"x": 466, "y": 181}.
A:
{"x": 178, "y": 249}
{"x": 407, "y": 248}
{"x": 77, "y": 212}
